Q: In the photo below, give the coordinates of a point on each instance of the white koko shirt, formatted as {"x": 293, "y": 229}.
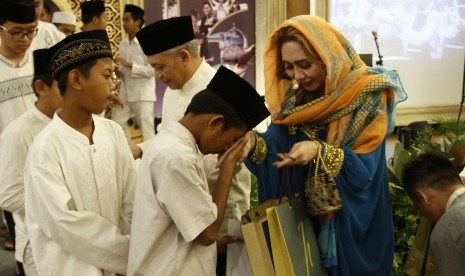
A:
{"x": 172, "y": 207}
{"x": 14, "y": 145}
{"x": 47, "y": 36}
{"x": 79, "y": 199}
{"x": 138, "y": 82}
{"x": 16, "y": 94}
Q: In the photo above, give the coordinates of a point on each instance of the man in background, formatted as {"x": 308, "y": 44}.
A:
{"x": 65, "y": 22}
{"x": 436, "y": 190}
{"x": 175, "y": 57}
{"x": 93, "y": 16}
{"x": 137, "y": 90}
{"x": 48, "y": 35}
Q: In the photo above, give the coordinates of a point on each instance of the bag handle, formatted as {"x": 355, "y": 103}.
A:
{"x": 285, "y": 179}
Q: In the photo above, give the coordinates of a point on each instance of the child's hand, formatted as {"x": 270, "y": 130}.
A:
{"x": 223, "y": 241}
{"x": 233, "y": 155}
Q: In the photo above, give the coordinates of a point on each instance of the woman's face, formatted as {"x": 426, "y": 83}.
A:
{"x": 298, "y": 66}
{"x": 206, "y": 9}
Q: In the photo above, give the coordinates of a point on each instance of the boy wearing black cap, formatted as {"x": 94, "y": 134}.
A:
{"x": 18, "y": 27}
{"x": 137, "y": 90}
{"x": 93, "y": 16}
{"x": 80, "y": 175}
{"x": 14, "y": 144}
{"x": 176, "y": 221}
{"x": 178, "y": 64}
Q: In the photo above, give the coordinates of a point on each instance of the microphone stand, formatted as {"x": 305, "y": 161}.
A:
{"x": 463, "y": 93}
{"x": 380, "y": 57}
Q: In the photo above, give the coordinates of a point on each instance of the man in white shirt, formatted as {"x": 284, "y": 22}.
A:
{"x": 137, "y": 90}
{"x": 79, "y": 178}
{"x": 176, "y": 220}
{"x": 14, "y": 145}
{"x": 178, "y": 64}
{"x": 436, "y": 190}
{"x": 48, "y": 35}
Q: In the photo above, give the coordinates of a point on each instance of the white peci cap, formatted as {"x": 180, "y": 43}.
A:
{"x": 64, "y": 17}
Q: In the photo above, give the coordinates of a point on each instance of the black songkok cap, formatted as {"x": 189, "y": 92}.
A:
{"x": 41, "y": 62}
{"x": 165, "y": 34}
{"x": 77, "y": 49}
{"x": 134, "y": 9}
{"x": 18, "y": 11}
{"x": 92, "y": 7}
{"x": 242, "y": 97}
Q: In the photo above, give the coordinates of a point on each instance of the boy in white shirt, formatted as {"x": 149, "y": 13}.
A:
{"x": 80, "y": 174}
{"x": 176, "y": 220}
{"x": 14, "y": 145}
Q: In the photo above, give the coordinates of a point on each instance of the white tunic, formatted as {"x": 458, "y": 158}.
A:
{"x": 14, "y": 145}
{"x": 16, "y": 94}
{"x": 47, "y": 36}
{"x": 79, "y": 199}
{"x": 139, "y": 81}
{"x": 175, "y": 103}
{"x": 172, "y": 207}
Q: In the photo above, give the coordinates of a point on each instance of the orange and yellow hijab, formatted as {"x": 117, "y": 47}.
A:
{"x": 358, "y": 102}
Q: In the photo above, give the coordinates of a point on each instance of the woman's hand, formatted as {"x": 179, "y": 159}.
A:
{"x": 300, "y": 154}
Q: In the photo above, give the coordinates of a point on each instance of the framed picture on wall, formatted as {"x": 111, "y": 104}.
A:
{"x": 224, "y": 30}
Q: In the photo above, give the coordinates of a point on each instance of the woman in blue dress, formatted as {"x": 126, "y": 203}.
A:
{"x": 322, "y": 97}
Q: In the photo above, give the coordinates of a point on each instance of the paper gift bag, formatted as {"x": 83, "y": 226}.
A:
{"x": 420, "y": 260}
{"x": 237, "y": 260}
{"x": 256, "y": 238}
{"x": 293, "y": 241}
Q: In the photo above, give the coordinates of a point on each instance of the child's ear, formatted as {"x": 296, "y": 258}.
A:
{"x": 216, "y": 121}
{"x": 74, "y": 79}
{"x": 40, "y": 87}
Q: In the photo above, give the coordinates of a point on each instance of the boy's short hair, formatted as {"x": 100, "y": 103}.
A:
{"x": 90, "y": 9}
{"x": 83, "y": 68}
{"x": 432, "y": 170}
{"x": 233, "y": 97}
{"x": 207, "y": 102}
{"x": 136, "y": 12}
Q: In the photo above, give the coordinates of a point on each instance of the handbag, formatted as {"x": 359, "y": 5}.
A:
{"x": 320, "y": 189}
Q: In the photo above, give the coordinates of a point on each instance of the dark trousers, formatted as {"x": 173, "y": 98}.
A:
{"x": 10, "y": 224}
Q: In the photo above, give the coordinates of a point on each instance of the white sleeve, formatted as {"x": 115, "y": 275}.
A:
{"x": 129, "y": 178}
{"x": 183, "y": 193}
{"x": 13, "y": 152}
{"x": 140, "y": 65}
{"x": 86, "y": 235}
{"x": 462, "y": 173}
